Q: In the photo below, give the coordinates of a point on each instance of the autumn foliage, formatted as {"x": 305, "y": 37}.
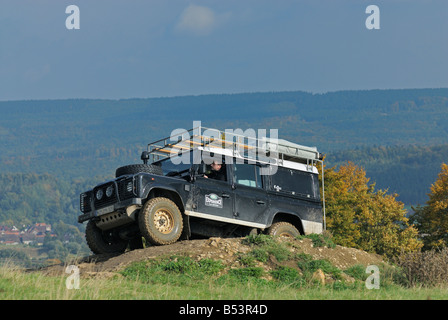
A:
{"x": 361, "y": 217}
{"x": 432, "y": 219}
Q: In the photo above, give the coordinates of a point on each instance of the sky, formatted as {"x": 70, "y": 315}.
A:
{"x": 160, "y": 48}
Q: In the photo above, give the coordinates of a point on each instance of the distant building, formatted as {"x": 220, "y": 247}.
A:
{"x": 33, "y": 234}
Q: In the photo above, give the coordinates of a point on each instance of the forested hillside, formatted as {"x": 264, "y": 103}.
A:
{"x": 53, "y": 149}
{"x": 406, "y": 170}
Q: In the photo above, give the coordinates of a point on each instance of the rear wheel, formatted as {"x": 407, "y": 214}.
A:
{"x": 283, "y": 229}
{"x": 160, "y": 221}
{"x": 100, "y": 241}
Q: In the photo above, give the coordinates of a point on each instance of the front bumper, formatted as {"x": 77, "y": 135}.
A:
{"x": 119, "y": 206}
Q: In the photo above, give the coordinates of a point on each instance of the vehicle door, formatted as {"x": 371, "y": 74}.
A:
{"x": 213, "y": 199}
{"x": 251, "y": 200}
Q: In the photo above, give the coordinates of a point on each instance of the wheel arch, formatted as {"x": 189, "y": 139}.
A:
{"x": 292, "y": 218}
{"x": 171, "y": 194}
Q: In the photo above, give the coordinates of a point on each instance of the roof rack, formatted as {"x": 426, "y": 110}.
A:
{"x": 236, "y": 143}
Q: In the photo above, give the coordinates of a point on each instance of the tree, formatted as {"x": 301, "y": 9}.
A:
{"x": 432, "y": 219}
{"x": 360, "y": 217}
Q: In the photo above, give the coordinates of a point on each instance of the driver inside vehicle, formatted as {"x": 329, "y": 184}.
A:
{"x": 217, "y": 171}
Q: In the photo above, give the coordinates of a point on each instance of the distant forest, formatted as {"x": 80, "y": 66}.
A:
{"x": 51, "y": 150}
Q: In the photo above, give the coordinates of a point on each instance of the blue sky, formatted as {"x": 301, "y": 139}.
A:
{"x": 158, "y": 48}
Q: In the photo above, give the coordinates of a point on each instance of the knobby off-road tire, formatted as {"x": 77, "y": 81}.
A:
{"x": 137, "y": 168}
{"x": 160, "y": 221}
{"x": 103, "y": 241}
{"x": 283, "y": 229}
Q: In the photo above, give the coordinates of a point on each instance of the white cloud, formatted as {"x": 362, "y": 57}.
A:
{"x": 197, "y": 20}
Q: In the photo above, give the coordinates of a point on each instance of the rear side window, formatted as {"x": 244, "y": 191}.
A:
{"x": 296, "y": 182}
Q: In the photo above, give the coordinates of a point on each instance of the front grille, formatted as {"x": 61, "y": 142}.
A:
{"x": 126, "y": 189}
{"x": 85, "y": 204}
{"x": 105, "y": 200}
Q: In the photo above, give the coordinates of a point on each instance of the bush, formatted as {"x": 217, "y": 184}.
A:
{"x": 428, "y": 268}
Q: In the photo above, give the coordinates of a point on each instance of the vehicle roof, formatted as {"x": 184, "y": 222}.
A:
{"x": 266, "y": 150}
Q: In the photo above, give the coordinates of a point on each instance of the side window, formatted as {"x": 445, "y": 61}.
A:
{"x": 248, "y": 175}
{"x": 216, "y": 170}
{"x": 296, "y": 183}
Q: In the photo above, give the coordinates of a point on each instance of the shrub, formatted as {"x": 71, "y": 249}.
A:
{"x": 428, "y": 268}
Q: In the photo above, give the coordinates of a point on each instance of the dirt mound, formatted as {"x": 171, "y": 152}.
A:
{"x": 228, "y": 250}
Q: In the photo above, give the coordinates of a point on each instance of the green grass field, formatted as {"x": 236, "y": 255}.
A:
{"x": 156, "y": 282}
{"x": 181, "y": 277}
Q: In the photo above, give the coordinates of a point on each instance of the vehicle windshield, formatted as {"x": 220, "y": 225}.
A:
{"x": 177, "y": 166}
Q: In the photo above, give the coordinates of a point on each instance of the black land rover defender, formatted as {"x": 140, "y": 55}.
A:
{"x": 205, "y": 186}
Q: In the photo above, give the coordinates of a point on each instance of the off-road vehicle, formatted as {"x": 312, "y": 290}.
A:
{"x": 265, "y": 185}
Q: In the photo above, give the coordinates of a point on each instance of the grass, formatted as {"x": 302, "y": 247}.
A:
{"x": 20, "y": 285}
{"x": 320, "y": 240}
{"x": 263, "y": 247}
{"x": 184, "y": 278}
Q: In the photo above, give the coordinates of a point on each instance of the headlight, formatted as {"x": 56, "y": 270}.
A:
{"x": 109, "y": 191}
{"x": 129, "y": 186}
{"x": 99, "y": 194}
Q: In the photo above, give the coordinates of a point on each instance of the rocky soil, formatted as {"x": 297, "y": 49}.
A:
{"x": 228, "y": 250}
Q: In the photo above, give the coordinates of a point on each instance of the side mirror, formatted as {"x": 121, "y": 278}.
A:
{"x": 145, "y": 157}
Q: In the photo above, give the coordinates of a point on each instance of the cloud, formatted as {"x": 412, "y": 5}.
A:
{"x": 197, "y": 20}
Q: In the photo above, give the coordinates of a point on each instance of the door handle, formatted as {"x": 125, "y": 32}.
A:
{"x": 261, "y": 202}
{"x": 225, "y": 195}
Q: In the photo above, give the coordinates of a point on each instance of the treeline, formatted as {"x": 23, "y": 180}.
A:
{"x": 28, "y": 198}
{"x": 408, "y": 170}
{"x": 331, "y": 121}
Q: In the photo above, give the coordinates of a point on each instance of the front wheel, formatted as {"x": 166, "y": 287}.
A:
{"x": 160, "y": 221}
{"x": 283, "y": 229}
{"x": 100, "y": 241}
